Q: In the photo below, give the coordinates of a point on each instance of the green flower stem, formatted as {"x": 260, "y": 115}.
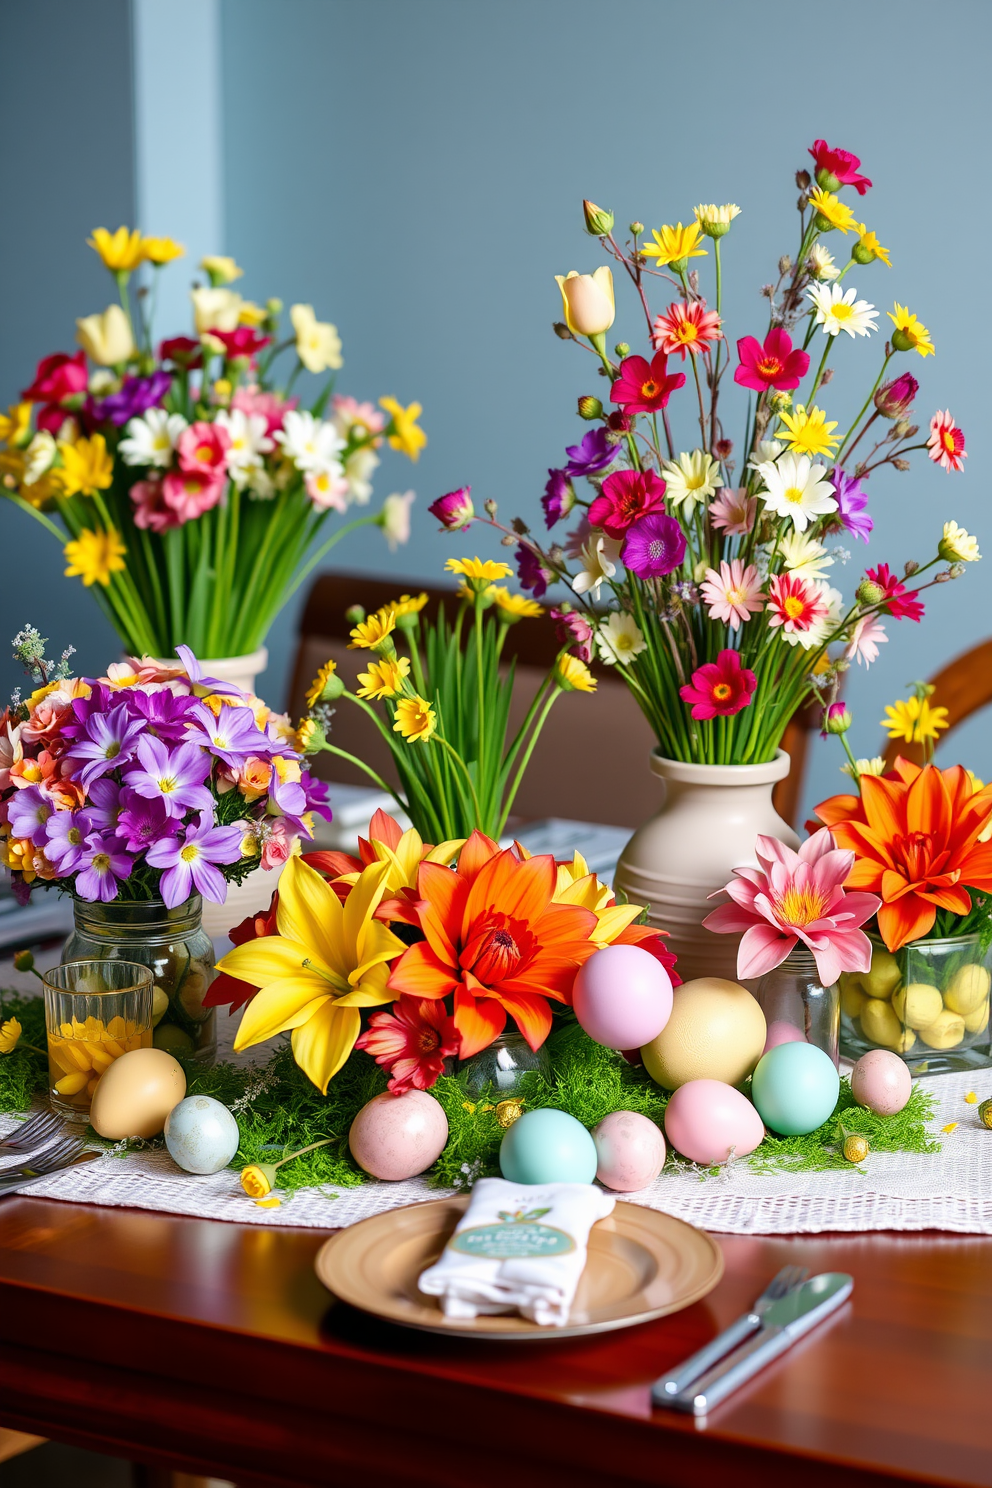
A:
{"x": 459, "y": 764}
{"x": 822, "y": 367}
{"x": 326, "y": 547}
{"x": 864, "y": 409}
{"x": 375, "y": 778}
{"x": 512, "y": 795}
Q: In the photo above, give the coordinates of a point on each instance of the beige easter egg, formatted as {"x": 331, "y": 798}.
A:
{"x": 136, "y": 1094}
{"x": 716, "y": 1032}
{"x": 978, "y": 1021}
{"x": 967, "y": 990}
{"x": 944, "y": 1032}
{"x": 883, "y": 976}
{"x": 880, "y": 1024}
{"x": 917, "y": 1004}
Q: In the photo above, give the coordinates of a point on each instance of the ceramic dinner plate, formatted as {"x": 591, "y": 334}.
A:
{"x": 641, "y": 1265}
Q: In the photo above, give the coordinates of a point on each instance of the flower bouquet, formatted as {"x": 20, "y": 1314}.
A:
{"x": 191, "y": 487}
{"x": 446, "y": 703}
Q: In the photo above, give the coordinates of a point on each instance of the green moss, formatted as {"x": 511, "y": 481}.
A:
{"x": 24, "y": 1072}
{"x": 822, "y": 1150}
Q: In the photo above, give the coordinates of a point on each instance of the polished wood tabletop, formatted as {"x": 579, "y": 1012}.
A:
{"x": 213, "y": 1348}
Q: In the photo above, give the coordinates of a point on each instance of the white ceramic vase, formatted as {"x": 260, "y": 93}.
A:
{"x": 709, "y": 821}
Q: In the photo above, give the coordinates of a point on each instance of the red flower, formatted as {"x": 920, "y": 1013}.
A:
{"x": 241, "y": 342}
{"x": 183, "y": 351}
{"x": 722, "y": 686}
{"x": 231, "y": 992}
{"x": 795, "y": 603}
{"x": 626, "y": 496}
{"x": 835, "y": 168}
{"x": 57, "y": 377}
{"x": 411, "y": 1041}
{"x": 898, "y": 601}
{"x": 774, "y": 365}
{"x": 644, "y": 387}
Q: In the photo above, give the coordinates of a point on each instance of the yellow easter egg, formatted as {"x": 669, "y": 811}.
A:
{"x": 883, "y": 977}
{"x": 978, "y": 1021}
{"x": 716, "y": 1032}
{"x": 880, "y": 1024}
{"x": 917, "y": 1004}
{"x": 136, "y": 1094}
{"x": 852, "y": 998}
{"x": 967, "y": 990}
{"x": 944, "y": 1032}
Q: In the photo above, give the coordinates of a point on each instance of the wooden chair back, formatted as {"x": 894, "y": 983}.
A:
{"x": 963, "y": 687}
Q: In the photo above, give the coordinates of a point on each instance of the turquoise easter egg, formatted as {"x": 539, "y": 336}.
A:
{"x": 548, "y": 1147}
{"x": 795, "y": 1088}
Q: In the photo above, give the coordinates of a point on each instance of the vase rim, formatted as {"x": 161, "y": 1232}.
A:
{"x": 687, "y": 772}
{"x": 919, "y": 945}
{"x": 250, "y": 661}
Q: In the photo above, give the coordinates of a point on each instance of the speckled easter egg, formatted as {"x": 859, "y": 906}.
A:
{"x": 881, "y": 1081}
{"x": 398, "y": 1136}
{"x": 201, "y": 1134}
{"x": 706, "y": 1120}
{"x": 716, "y": 1032}
{"x": 548, "y": 1146}
{"x": 630, "y": 1150}
{"x": 782, "y": 1032}
{"x": 622, "y": 997}
{"x": 795, "y": 1088}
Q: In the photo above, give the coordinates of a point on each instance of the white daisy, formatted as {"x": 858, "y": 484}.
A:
{"x": 803, "y": 555}
{"x": 766, "y": 451}
{"x": 312, "y": 444}
{"x": 821, "y": 263}
{"x": 797, "y": 488}
{"x": 152, "y": 438}
{"x": 249, "y": 442}
{"x": 839, "y": 310}
{"x": 620, "y": 639}
{"x": 690, "y": 479}
{"x": 41, "y": 452}
{"x": 600, "y": 557}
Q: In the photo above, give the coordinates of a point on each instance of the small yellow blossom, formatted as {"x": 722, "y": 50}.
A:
{"x": 374, "y": 633}
{"x": 10, "y": 1032}
{"x": 220, "y": 268}
{"x": 958, "y": 546}
{"x": 121, "y": 251}
{"x": 479, "y": 572}
{"x": 384, "y": 679}
{"x": 910, "y": 334}
{"x": 914, "y": 720}
{"x": 107, "y": 338}
{"x": 15, "y": 424}
{"x": 257, "y": 1179}
{"x": 673, "y": 245}
{"x": 808, "y": 433}
{"x": 318, "y": 344}
{"x": 714, "y": 220}
{"x": 87, "y": 467}
{"x": 415, "y": 719}
{"x": 971, "y": 1098}
{"x": 94, "y": 556}
{"x": 408, "y": 604}
{"x": 159, "y": 251}
{"x": 405, "y": 434}
{"x": 868, "y": 248}
{"x": 831, "y": 211}
{"x": 951, "y": 1126}
{"x": 315, "y": 691}
{"x": 514, "y": 606}
{"x": 572, "y": 675}
{"x": 250, "y": 314}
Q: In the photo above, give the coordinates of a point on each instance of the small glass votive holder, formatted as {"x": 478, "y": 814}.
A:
{"x": 95, "y": 1011}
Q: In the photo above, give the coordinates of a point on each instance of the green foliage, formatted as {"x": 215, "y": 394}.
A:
{"x": 24, "y": 1072}
{"x": 822, "y": 1150}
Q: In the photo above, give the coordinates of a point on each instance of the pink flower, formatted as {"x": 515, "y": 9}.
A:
{"x": 278, "y": 845}
{"x": 202, "y": 449}
{"x": 795, "y": 604}
{"x": 271, "y": 406}
{"x": 772, "y": 365}
{"x": 946, "y": 442}
{"x": 455, "y": 510}
{"x": 686, "y": 328}
{"x": 191, "y": 493}
{"x": 625, "y": 497}
{"x": 835, "y": 168}
{"x": 734, "y": 594}
{"x": 643, "y": 387}
{"x": 243, "y": 341}
{"x": 326, "y": 490}
{"x": 721, "y": 687}
{"x": 894, "y": 399}
{"x": 574, "y": 631}
{"x": 348, "y": 412}
{"x": 411, "y": 1040}
{"x": 866, "y": 637}
{"x": 899, "y": 601}
{"x": 797, "y": 896}
{"x": 150, "y": 510}
{"x": 733, "y": 510}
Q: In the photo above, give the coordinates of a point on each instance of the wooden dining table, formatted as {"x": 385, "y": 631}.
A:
{"x": 209, "y": 1347}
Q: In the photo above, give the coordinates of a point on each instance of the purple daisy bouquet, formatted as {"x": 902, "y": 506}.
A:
{"x": 702, "y": 564}
{"x": 153, "y": 782}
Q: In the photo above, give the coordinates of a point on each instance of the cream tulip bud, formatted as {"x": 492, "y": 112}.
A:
{"x": 588, "y": 301}
{"x": 106, "y": 338}
{"x": 215, "y": 309}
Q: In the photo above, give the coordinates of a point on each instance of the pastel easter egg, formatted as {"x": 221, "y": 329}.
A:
{"x": 707, "y": 1120}
{"x": 716, "y": 1032}
{"x": 630, "y": 1150}
{"x": 795, "y": 1088}
{"x": 398, "y": 1136}
{"x": 548, "y": 1146}
{"x": 782, "y": 1032}
{"x": 201, "y": 1134}
{"x": 881, "y": 1081}
{"x": 136, "y": 1093}
{"x": 622, "y": 997}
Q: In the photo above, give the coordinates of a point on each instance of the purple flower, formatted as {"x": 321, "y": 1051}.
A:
{"x": 894, "y": 399}
{"x": 233, "y": 735}
{"x": 203, "y": 686}
{"x": 103, "y": 864}
{"x": 66, "y": 839}
{"x": 28, "y": 813}
{"x": 190, "y": 863}
{"x": 851, "y": 503}
{"x": 175, "y": 777}
{"x": 104, "y": 742}
{"x": 558, "y": 498}
{"x": 531, "y": 572}
{"x": 136, "y": 396}
{"x": 165, "y": 715}
{"x": 143, "y": 822}
{"x": 595, "y": 452}
{"x": 103, "y": 806}
{"x": 316, "y": 792}
{"x": 455, "y": 510}
{"x": 654, "y": 546}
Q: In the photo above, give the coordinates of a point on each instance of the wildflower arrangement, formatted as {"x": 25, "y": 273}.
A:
{"x": 415, "y": 952}
{"x": 190, "y": 490}
{"x": 153, "y": 781}
{"x": 703, "y": 570}
{"x": 446, "y": 703}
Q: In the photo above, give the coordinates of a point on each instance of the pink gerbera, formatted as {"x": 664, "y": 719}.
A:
{"x": 898, "y": 600}
{"x": 202, "y": 449}
{"x": 734, "y": 594}
{"x": 776, "y": 364}
{"x": 733, "y": 511}
{"x": 626, "y": 496}
{"x": 645, "y": 387}
{"x": 946, "y": 442}
{"x": 793, "y": 896}
{"x": 412, "y": 1041}
{"x": 686, "y": 328}
{"x": 191, "y": 493}
{"x": 866, "y": 637}
{"x": 721, "y": 687}
{"x": 150, "y": 510}
{"x": 795, "y": 604}
{"x": 836, "y": 167}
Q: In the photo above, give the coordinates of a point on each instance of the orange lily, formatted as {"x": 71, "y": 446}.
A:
{"x": 915, "y": 835}
{"x": 496, "y": 939}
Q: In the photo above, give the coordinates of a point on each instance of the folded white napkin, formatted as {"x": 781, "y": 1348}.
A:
{"x": 520, "y": 1247}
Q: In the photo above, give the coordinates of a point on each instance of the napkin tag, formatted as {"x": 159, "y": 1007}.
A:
{"x": 517, "y": 1236}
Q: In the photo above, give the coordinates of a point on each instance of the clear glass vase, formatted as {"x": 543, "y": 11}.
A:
{"x": 928, "y": 1002}
{"x": 502, "y": 1065}
{"x": 797, "y": 1007}
{"x": 177, "y": 950}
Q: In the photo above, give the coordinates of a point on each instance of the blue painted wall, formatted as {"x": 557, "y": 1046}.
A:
{"x": 415, "y": 170}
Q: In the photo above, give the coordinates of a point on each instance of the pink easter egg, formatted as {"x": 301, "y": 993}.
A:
{"x": 783, "y": 1032}
{"x": 630, "y": 1151}
{"x": 622, "y": 997}
{"x": 398, "y": 1136}
{"x": 705, "y": 1119}
{"x": 881, "y": 1081}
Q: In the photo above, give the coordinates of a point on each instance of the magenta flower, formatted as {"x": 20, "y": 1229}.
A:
{"x": 655, "y": 546}
{"x": 626, "y": 496}
{"x": 531, "y": 571}
{"x": 574, "y": 631}
{"x": 142, "y": 821}
{"x": 835, "y": 168}
{"x": 776, "y": 364}
{"x": 173, "y": 776}
{"x": 558, "y": 498}
{"x": 455, "y": 510}
{"x": 894, "y": 399}
{"x": 103, "y": 864}
{"x": 105, "y": 742}
{"x": 722, "y": 687}
{"x": 189, "y": 864}
{"x": 645, "y": 387}
{"x": 797, "y": 896}
{"x": 898, "y": 601}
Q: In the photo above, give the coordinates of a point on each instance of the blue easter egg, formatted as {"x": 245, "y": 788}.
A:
{"x": 795, "y": 1088}
{"x": 201, "y": 1134}
{"x": 548, "y": 1147}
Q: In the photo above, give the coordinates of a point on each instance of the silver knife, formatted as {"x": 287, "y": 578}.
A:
{"x": 783, "y": 1323}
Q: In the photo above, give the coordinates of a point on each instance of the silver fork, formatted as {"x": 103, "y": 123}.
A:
{"x": 712, "y": 1353}
{"x": 33, "y": 1133}
{"x": 62, "y": 1155}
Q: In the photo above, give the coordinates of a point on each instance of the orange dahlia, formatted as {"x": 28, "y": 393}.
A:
{"x": 915, "y": 835}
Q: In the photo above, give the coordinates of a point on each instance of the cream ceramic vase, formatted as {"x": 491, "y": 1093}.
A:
{"x": 709, "y": 821}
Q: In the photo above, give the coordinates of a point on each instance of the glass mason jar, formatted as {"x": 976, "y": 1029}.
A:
{"x": 929, "y": 1003}
{"x": 95, "y": 1011}
{"x": 179, "y": 953}
{"x": 797, "y": 1007}
{"x": 502, "y": 1064}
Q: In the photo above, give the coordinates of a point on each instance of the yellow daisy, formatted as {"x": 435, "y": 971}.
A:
{"x": 910, "y": 334}
{"x": 384, "y": 679}
{"x": 87, "y": 467}
{"x": 15, "y": 423}
{"x": 415, "y": 719}
{"x": 914, "y": 720}
{"x": 675, "y": 244}
{"x": 409, "y": 604}
{"x": 808, "y": 433}
{"x": 121, "y": 251}
{"x": 94, "y": 556}
{"x": 514, "y": 606}
{"x": 315, "y": 691}
{"x": 868, "y": 248}
{"x": 831, "y": 212}
{"x": 373, "y": 634}
{"x": 160, "y": 251}
{"x": 478, "y": 571}
{"x": 405, "y": 434}
{"x": 572, "y": 675}
{"x": 10, "y": 1032}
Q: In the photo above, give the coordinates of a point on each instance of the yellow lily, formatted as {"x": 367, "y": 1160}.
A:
{"x": 404, "y": 859}
{"x": 328, "y": 960}
{"x": 576, "y": 885}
